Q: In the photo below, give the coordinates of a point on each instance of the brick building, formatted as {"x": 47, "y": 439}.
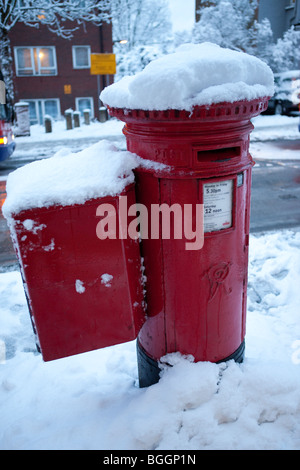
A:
{"x": 53, "y": 74}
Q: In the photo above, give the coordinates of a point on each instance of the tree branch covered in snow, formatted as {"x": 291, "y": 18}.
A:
{"x": 146, "y": 27}
{"x": 227, "y": 24}
{"x": 53, "y": 13}
{"x": 233, "y": 24}
{"x": 286, "y": 52}
{"x": 140, "y": 21}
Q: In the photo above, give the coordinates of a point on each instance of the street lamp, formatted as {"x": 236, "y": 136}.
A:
{"x": 121, "y": 41}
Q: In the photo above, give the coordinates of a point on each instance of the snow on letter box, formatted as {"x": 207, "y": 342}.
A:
{"x": 191, "y": 110}
{"x": 83, "y": 292}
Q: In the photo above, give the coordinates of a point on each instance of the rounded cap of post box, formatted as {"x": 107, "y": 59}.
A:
{"x": 199, "y": 81}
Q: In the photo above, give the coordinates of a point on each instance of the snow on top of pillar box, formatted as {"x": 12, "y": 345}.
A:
{"x": 196, "y": 74}
{"x": 97, "y": 171}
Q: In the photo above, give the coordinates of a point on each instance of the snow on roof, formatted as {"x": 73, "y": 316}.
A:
{"x": 196, "y": 74}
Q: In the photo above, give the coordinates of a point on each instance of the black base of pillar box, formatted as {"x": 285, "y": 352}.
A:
{"x": 149, "y": 369}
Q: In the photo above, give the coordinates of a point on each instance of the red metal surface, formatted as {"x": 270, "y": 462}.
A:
{"x": 196, "y": 300}
{"x": 62, "y": 263}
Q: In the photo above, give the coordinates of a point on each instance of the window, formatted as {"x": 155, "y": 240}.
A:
{"x": 81, "y": 57}
{"x": 35, "y": 61}
{"x": 39, "y": 108}
{"x": 85, "y": 103}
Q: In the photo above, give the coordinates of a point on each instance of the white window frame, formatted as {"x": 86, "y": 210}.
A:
{"x": 34, "y": 72}
{"x": 75, "y": 66}
{"x": 40, "y": 118}
{"x": 85, "y": 98}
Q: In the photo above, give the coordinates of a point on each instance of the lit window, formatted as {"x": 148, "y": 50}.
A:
{"x": 35, "y": 61}
{"x": 45, "y": 60}
{"x": 81, "y": 57}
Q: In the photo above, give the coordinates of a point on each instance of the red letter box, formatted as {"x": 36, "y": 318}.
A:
{"x": 83, "y": 292}
{"x": 196, "y": 299}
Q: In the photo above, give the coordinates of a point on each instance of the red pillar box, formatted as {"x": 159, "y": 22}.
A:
{"x": 83, "y": 292}
{"x": 196, "y": 296}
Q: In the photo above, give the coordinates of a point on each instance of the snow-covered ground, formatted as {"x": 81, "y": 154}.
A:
{"x": 92, "y": 401}
{"x": 275, "y": 127}
{"x": 95, "y": 130}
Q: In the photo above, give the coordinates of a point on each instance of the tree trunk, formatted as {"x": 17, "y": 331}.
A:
{"x": 6, "y": 63}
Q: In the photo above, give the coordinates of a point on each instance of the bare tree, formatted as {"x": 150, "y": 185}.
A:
{"x": 140, "y": 22}
{"x": 53, "y": 14}
{"x": 233, "y": 24}
{"x": 145, "y": 27}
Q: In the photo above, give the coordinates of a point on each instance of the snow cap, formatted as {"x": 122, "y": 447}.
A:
{"x": 97, "y": 171}
{"x": 196, "y": 74}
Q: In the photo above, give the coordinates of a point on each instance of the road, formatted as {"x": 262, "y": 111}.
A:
{"x": 275, "y": 198}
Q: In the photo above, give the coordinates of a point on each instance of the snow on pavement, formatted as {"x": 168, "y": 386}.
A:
{"x": 92, "y": 401}
{"x": 274, "y": 127}
{"x": 267, "y": 131}
{"x": 112, "y": 127}
{"x": 271, "y": 152}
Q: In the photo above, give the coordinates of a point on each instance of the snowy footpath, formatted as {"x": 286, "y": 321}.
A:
{"x": 92, "y": 401}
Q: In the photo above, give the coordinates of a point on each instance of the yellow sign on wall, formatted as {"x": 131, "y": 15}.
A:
{"x": 67, "y": 89}
{"x": 103, "y": 64}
